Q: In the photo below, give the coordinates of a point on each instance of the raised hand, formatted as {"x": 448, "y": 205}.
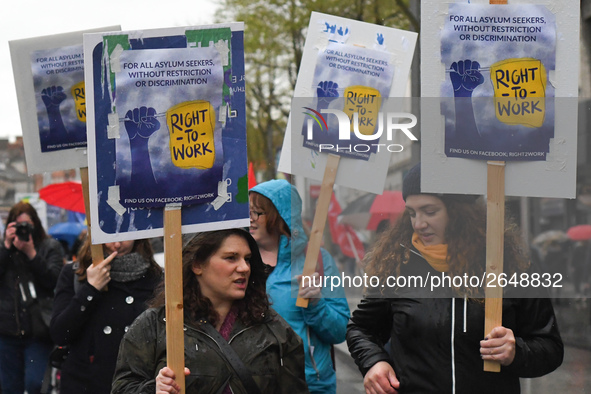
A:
{"x": 327, "y": 89}
{"x": 99, "y": 275}
{"x": 53, "y": 96}
{"x": 141, "y": 122}
{"x": 465, "y": 77}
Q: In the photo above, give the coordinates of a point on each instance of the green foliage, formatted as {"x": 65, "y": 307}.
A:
{"x": 274, "y": 37}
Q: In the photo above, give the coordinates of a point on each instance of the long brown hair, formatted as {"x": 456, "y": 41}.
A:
{"x": 465, "y": 235}
{"x": 18, "y": 209}
{"x": 254, "y": 305}
{"x": 143, "y": 247}
{"x": 275, "y": 223}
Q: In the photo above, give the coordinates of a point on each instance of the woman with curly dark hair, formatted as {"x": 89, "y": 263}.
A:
{"x": 224, "y": 290}
{"x": 435, "y": 331}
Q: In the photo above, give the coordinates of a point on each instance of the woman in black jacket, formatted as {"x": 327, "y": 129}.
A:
{"x": 30, "y": 262}
{"x": 94, "y": 306}
{"x": 437, "y": 342}
{"x": 224, "y": 303}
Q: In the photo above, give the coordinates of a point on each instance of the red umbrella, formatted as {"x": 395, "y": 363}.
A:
{"x": 67, "y": 195}
{"x": 582, "y": 232}
{"x": 369, "y": 210}
{"x": 386, "y": 206}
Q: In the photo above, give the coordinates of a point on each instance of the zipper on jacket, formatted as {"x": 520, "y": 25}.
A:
{"x": 311, "y": 351}
{"x": 453, "y": 358}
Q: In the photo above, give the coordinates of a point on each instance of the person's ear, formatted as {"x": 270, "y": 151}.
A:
{"x": 197, "y": 270}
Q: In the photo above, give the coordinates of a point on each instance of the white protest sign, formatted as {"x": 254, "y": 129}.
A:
{"x": 556, "y": 175}
{"x": 166, "y": 127}
{"x": 347, "y": 67}
{"x": 49, "y": 80}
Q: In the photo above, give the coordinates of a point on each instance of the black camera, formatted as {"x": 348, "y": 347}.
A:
{"x": 23, "y": 230}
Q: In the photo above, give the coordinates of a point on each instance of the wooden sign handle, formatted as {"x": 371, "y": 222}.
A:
{"x": 96, "y": 251}
{"x": 173, "y": 291}
{"x": 330, "y": 173}
{"x": 495, "y": 230}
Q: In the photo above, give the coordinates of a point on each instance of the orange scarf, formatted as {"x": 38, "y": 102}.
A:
{"x": 436, "y": 255}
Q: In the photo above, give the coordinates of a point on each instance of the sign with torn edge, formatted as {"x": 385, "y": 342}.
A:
{"x": 343, "y": 57}
{"x": 49, "y": 80}
{"x": 167, "y": 126}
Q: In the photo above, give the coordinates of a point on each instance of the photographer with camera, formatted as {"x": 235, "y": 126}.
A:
{"x": 30, "y": 263}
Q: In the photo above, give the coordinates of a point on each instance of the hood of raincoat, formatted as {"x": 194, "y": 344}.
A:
{"x": 287, "y": 200}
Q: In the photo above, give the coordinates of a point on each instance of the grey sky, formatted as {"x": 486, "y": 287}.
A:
{"x": 34, "y": 18}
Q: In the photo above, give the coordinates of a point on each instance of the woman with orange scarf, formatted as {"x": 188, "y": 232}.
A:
{"x": 422, "y": 331}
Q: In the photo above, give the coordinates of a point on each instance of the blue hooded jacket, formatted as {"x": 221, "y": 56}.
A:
{"x": 324, "y": 322}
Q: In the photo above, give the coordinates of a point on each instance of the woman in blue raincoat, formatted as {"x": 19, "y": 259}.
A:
{"x": 276, "y": 225}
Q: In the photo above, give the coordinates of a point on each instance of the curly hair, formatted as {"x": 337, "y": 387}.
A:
{"x": 18, "y": 209}
{"x": 251, "y": 309}
{"x": 143, "y": 247}
{"x": 465, "y": 235}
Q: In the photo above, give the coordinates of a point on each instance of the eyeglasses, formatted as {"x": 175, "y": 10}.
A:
{"x": 254, "y": 215}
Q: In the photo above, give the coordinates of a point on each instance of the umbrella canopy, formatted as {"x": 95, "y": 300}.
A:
{"x": 68, "y": 231}
{"x": 549, "y": 236}
{"x": 369, "y": 210}
{"x": 67, "y": 195}
{"x": 386, "y": 206}
{"x": 356, "y": 214}
{"x": 582, "y": 232}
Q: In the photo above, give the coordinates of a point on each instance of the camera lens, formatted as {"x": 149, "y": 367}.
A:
{"x": 23, "y": 230}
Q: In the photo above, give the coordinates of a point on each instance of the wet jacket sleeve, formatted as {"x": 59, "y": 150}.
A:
{"x": 539, "y": 348}
{"x": 135, "y": 372}
{"x": 47, "y": 264}
{"x": 71, "y": 311}
{"x": 292, "y": 375}
{"x": 328, "y": 316}
{"x": 368, "y": 331}
{"x": 4, "y": 258}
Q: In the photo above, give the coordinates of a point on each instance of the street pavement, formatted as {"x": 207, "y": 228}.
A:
{"x": 573, "y": 376}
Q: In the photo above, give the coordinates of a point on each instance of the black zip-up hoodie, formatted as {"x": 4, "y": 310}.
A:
{"x": 435, "y": 342}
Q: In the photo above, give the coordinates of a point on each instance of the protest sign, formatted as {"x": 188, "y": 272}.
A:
{"x": 167, "y": 143}
{"x": 545, "y": 163}
{"x": 513, "y": 120}
{"x": 49, "y": 79}
{"x": 166, "y": 125}
{"x": 349, "y": 69}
